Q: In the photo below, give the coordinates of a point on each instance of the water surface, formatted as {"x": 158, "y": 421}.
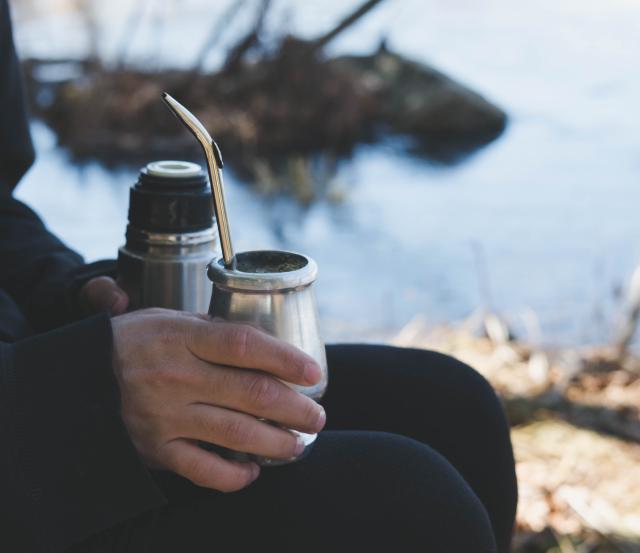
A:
{"x": 543, "y": 220}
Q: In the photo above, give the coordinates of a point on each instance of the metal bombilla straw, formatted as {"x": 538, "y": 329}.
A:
{"x": 214, "y": 167}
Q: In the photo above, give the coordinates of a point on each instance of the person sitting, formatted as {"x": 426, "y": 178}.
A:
{"x": 101, "y": 412}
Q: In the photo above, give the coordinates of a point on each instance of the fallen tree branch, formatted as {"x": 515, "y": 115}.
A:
{"x": 323, "y": 40}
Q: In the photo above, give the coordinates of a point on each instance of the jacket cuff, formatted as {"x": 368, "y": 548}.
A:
{"x": 56, "y": 301}
{"x": 77, "y": 470}
{"x": 78, "y": 277}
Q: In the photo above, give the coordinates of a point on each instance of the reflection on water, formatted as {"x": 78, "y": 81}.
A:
{"x": 551, "y": 206}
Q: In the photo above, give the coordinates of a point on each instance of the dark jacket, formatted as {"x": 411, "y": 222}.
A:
{"x": 68, "y": 469}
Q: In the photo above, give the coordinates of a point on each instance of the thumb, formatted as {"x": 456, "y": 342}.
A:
{"x": 103, "y": 294}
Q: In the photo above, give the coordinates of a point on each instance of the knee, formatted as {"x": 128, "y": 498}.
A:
{"x": 453, "y": 518}
{"x": 462, "y": 389}
{"x": 449, "y": 516}
{"x": 477, "y": 394}
{"x": 409, "y": 497}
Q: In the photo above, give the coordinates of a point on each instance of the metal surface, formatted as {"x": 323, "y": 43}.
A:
{"x": 167, "y": 270}
{"x": 144, "y": 239}
{"x": 281, "y": 303}
{"x": 214, "y": 167}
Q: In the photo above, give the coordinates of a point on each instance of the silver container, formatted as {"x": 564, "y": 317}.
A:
{"x": 272, "y": 290}
{"x": 167, "y": 270}
{"x": 170, "y": 239}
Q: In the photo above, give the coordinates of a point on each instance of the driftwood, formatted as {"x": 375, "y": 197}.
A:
{"x": 445, "y": 117}
{"x": 292, "y": 103}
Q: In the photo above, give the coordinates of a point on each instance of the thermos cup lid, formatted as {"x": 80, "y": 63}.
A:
{"x": 264, "y": 271}
{"x": 173, "y": 169}
{"x": 171, "y": 197}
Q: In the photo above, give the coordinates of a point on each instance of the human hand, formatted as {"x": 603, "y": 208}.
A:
{"x": 185, "y": 378}
{"x": 103, "y": 294}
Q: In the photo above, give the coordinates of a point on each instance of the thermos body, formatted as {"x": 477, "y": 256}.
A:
{"x": 167, "y": 270}
{"x": 170, "y": 238}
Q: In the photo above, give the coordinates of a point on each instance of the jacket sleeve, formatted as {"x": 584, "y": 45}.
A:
{"x": 68, "y": 469}
{"x": 37, "y": 270}
{"x": 40, "y": 273}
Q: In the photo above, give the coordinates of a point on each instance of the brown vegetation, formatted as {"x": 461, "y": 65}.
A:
{"x": 575, "y": 415}
{"x": 282, "y": 103}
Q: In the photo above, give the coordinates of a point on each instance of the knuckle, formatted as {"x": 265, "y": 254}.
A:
{"x": 263, "y": 392}
{"x": 239, "y": 340}
{"x": 294, "y": 363}
{"x": 209, "y": 428}
{"x": 228, "y": 382}
{"x": 170, "y": 375}
{"x": 236, "y": 432}
{"x": 194, "y": 335}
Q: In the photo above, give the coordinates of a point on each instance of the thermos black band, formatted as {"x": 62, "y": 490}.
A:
{"x": 171, "y": 196}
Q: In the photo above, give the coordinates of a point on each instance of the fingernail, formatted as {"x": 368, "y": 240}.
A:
{"x": 322, "y": 419}
{"x": 312, "y": 372}
{"x": 255, "y": 472}
{"x": 300, "y": 445}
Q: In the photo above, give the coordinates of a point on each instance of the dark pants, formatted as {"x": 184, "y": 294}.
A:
{"x": 416, "y": 457}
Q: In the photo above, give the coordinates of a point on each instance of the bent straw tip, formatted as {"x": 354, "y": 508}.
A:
{"x": 170, "y": 102}
{"x": 194, "y": 124}
{"x": 168, "y": 99}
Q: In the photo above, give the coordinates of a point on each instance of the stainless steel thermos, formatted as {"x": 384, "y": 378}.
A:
{"x": 170, "y": 238}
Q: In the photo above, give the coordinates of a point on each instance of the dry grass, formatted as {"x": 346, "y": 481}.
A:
{"x": 575, "y": 430}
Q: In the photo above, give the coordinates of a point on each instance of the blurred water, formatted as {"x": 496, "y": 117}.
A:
{"x": 547, "y": 213}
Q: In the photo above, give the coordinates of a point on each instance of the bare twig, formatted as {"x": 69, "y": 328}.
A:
{"x": 87, "y": 13}
{"x": 630, "y": 322}
{"x": 215, "y": 34}
{"x": 593, "y": 519}
{"x": 323, "y": 40}
{"x": 131, "y": 26}
{"x": 237, "y": 53}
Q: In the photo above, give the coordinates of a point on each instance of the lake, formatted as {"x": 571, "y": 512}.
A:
{"x": 541, "y": 225}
